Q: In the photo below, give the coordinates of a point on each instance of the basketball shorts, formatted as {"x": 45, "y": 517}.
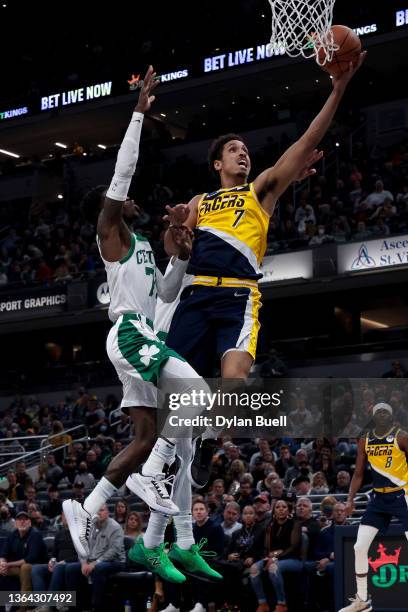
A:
{"x": 212, "y": 320}
{"x": 139, "y": 357}
{"x": 382, "y": 507}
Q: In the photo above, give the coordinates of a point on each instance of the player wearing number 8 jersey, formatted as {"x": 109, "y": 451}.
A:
{"x": 218, "y": 313}
{"x": 385, "y": 448}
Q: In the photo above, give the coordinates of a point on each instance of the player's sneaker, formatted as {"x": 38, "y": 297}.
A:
{"x": 357, "y": 605}
{"x": 200, "y": 466}
{"x": 79, "y": 524}
{"x": 198, "y": 608}
{"x": 171, "y": 608}
{"x": 192, "y": 559}
{"x": 156, "y": 561}
{"x": 153, "y": 491}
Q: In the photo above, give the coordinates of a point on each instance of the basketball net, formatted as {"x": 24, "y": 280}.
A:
{"x": 303, "y": 27}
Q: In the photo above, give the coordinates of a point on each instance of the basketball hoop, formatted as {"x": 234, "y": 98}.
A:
{"x": 303, "y": 27}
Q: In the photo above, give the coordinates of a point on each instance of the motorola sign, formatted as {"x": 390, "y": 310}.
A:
{"x": 102, "y": 294}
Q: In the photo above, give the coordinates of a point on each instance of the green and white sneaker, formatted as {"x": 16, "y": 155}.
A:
{"x": 193, "y": 560}
{"x": 156, "y": 561}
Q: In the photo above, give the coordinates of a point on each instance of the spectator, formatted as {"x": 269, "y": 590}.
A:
{"x": 397, "y": 371}
{"x": 342, "y": 483}
{"x": 53, "y": 507}
{"x": 309, "y": 526}
{"x": 84, "y": 476}
{"x": 362, "y": 232}
{"x": 273, "y": 367}
{"x": 42, "y": 483}
{"x": 94, "y": 466}
{"x": 277, "y": 490}
{"x": 302, "y": 467}
{"x": 106, "y": 557}
{"x": 133, "y": 528}
{"x": 218, "y": 487}
{"x": 262, "y": 509}
{"x": 204, "y": 528}
{"x": 233, "y": 476}
{"x": 21, "y": 473}
{"x": 121, "y": 512}
{"x": 265, "y": 453}
{"x": 23, "y": 548}
{"x": 69, "y": 472}
{"x": 7, "y": 523}
{"x": 122, "y": 429}
{"x": 244, "y": 495}
{"x": 30, "y": 497}
{"x": 301, "y": 485}
{"x": 78, "y": 491}
{"x": 54, "y": 472}
{"x": 285, "y": 461}
{"x": 283, "y": 552}
{"x": 378, "y": 196}
{"x": 319, "y": 484}
{"x": 94, "y": 417}
{"x": 37, "y": 519}
{"x": 246, "y": 547}
{"x": 300, "y": 417}
{"x": 58, "y": 438}
{"x": 14, "y": 491}
{"x": 231, "y": 522}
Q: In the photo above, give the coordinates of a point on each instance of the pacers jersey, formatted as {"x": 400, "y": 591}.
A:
{"x": 230, "y": 237}
{"x": 388, "y": 462}
{"x": 132, "y": 280}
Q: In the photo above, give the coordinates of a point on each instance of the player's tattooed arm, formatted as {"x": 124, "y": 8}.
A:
{"x": 358, "y": 475}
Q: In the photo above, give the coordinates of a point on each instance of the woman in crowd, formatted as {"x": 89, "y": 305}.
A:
{"x": 282, "y": 555}
{"x": 121, "y": 512}
{"x": 133, "y": 528}
{"x": 319, "y": 484}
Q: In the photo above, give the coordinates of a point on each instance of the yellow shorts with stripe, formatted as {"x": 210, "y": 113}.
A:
{"x": 214, "y": 316}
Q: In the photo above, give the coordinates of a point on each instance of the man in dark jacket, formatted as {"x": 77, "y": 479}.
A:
{"x": 23, "y": 548}
{"x": 51, "y": 576}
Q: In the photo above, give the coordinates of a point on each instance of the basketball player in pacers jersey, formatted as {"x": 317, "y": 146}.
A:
{"x": 218, "y": 312}
{"x": 385, "y": 447}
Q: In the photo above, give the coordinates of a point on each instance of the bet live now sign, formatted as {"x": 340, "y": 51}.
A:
{"x": 373, "y": 254}
{"x": 73, "y": 96}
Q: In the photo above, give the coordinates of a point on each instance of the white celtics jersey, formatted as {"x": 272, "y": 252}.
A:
{"x": 165, "y": 310}
{"x": 132, "y": 280}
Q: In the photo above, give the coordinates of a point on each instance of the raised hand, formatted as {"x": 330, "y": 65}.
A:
{"x": 342, "y": 80}
{"x": 177, "y": 215}
{"x": 146, "y": 99}
{"x": 183, "y": 238}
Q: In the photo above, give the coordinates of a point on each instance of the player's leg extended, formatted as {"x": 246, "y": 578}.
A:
{"x": 79, "y": 516}
{"x": 365, "y": 536}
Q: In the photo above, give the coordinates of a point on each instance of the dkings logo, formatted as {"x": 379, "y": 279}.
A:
{"x": 386, "y": 568}
{"x": 363, "y": 259}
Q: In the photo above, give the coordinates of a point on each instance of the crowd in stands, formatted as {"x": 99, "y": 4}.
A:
{"x": 52, "y": 242}
{"x": 277, "y": 499}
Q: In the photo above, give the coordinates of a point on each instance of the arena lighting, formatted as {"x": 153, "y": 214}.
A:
{"x": 61, "y": 145}
{"x": 337, "y": 144}
{"x": 375, "y": 324}
{"x": 101, "y": 146}
{"x": 163, "y": 115}
{"x": 60, "y": 196}
{"x": 9, "y": 153}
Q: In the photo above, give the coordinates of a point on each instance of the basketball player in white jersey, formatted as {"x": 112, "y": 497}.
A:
{"x": 142, "y": 361}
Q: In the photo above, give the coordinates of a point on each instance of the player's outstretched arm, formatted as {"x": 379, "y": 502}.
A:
{"x": 358, "y": 475}
{"x": 271, "y": 183}
{"x": 113, "y": 233}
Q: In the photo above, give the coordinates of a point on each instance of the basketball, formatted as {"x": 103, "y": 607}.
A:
{"x": 349, "y": 50}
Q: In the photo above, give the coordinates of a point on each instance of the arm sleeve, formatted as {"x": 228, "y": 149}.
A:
{"x": 126, "y": 160}
{"x": 169, "y": 285}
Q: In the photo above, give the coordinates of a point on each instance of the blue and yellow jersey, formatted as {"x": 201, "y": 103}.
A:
{"x": 388, "y": 462}
{"x": 230, "y": 237}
